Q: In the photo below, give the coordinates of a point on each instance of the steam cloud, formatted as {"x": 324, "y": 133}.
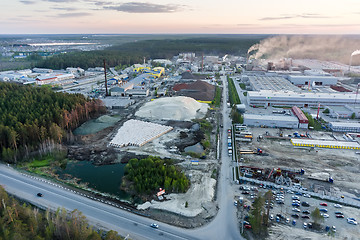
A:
{"x": 329, "y": 48}
{"x": 357, "y": 52}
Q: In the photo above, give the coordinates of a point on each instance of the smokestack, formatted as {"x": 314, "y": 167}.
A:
{"x": 106, "y": 87}
{"x": 317, "y": 116}
{"x": 202, "y": 62}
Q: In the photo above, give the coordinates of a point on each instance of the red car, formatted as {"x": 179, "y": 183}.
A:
{"x": 247, "y": 226}
{"x": 323, "y": 204}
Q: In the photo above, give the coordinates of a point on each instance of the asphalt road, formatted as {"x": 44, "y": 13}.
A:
{"x": 224, "y": 225}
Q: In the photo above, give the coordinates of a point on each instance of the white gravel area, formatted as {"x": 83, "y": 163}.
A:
{"x": 173, "y": 108}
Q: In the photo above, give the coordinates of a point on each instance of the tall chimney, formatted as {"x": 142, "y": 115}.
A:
{"x": 106, "y": 94}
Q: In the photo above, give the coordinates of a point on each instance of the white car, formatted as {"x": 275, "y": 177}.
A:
{"x": 337, "y": 206}
{"x": 352, "y": 222}
{"x": 296, "y": 210}
{"x": 325, "y": 215}
{"x": 307, "y": 195}
{"x": 271, "y": 217}
{"x": 154, "y": 225}
{"x": 305, "y": 225}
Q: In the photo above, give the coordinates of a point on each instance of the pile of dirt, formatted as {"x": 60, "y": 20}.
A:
{"x": 199, "y": 90}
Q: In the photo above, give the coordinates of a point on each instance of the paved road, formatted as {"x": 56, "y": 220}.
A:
{"x": 99, "y": 214}
{"x": 224, "y": 225}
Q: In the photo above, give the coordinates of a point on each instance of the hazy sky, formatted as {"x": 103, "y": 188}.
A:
{"x": 185, "y": 16}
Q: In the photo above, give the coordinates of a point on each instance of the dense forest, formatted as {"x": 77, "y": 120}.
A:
{"x": 149, "y": 174}
{"x": 30, "y": 116}
{"x": 22, "y": 221}
{"x": 130, "y": 53}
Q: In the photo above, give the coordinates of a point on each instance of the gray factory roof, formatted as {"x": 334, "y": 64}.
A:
{"x": 271, "y": 117}
{"x": 267, "y": 94}
{"x": 345, "y": 124}
{"x": 275, "y": 83}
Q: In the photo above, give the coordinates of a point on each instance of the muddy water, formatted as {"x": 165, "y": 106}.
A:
{"x": 95, "y": 125}
{"x": 105, "y": 178}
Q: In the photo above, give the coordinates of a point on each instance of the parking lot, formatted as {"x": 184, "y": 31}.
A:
{"x": 282, "y": 215}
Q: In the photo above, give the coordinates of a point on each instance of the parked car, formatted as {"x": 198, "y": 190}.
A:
{"x": 338, "y": 213}
{"x": 305, "y": 225}
{"x": 295, "y": 215}
{"x": 296, "y": 210}
{"x": 339, "y": 216}
{"x": 295, "y": 197}
{"x": 305, "y": 204}
{"x": 333, "y": 228}
{"x": 298, "y": 193}
{"x": 323, "y": 210}
{"x": 307, "y": 195}
{"x": 352, "y": 222}
{"x": 337, "y": 206}
{"x": 247, "y": 226}
{"x": 325, "y": 215}
{"x": 296, "y": 204}
{"x": 39, "y": 194}
{"x": 305, "y": 217}
{"x": 154, "y": 225}
{"x": 323, "y": 204}
{"x": 271, "y": 217}
{"x": 294, "y": 222}
{"x": 306, "y": 212}
{"x": 352, "y": 219}
{"x": 287, "y": 220}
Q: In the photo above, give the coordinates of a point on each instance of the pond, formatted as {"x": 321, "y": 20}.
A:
{"x": 106, "y": 178}
{"x": 197, "y": 148}
{"x": 95, "y": 125}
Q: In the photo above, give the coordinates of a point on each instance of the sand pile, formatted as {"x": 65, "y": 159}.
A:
{"x": 173, "y": 108}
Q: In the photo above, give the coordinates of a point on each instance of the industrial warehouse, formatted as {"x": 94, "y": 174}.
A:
{"x": 301, "y": 99}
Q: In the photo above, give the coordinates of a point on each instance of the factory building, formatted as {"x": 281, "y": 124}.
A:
{"x": 346, "y": 111}
{"x": 301, "y": 142}
{"x": 304, "y": 99}
{"x": 345, "y": 127}
{"x": 271, "y": 121}
{"x": 275, "y": 83}
{"x": 313, "y": 80}
{"x": 303, "y": 121}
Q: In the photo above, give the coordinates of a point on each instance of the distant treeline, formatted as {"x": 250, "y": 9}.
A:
{"x": 134, "y": 52}
{"x": 22, "y": 221}
{"x": 30, "y": 116}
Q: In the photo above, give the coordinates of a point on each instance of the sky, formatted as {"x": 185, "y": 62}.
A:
{"x": 177, "y": 17}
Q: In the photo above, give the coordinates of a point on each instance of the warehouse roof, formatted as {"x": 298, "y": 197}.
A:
{"x": 299, "y": 114}
{"x": 345, "y": 124}
{"x": 271, "y": 117}
{"x": 268, "y": 94}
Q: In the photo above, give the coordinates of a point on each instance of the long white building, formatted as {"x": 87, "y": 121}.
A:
{"x": 271, "y": 121}
{"x": 300, "y": 99}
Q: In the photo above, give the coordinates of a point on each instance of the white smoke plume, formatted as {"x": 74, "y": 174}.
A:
{"x": 356, "y": 52}
{"x": 330, "y": 48}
